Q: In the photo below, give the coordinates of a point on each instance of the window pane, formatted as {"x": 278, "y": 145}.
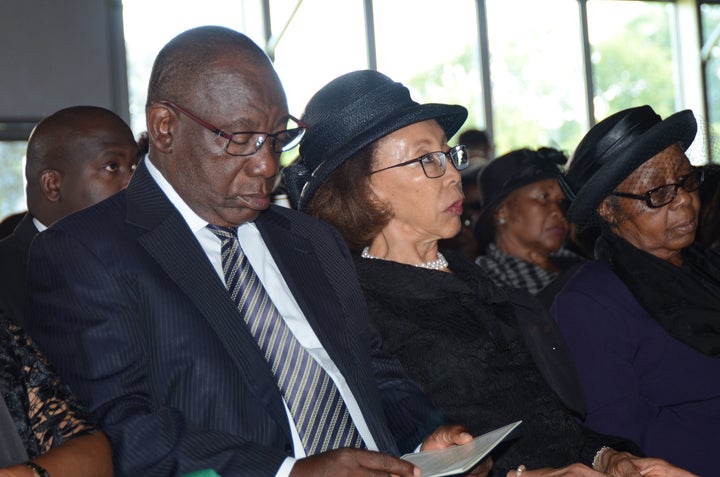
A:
{"x": 711, "y": 33}
{"x": 632, "y": 55}
{"x": 12, "y": 180}
{"x": 433, "y": 51}
{"x": 325, "y": 39}
{"x": 537, "y": 77}
{"x": 150, "y": 25}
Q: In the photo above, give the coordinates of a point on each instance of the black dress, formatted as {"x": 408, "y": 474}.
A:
{"x": 457, "y": 335}
{"x": 44, "y": 410}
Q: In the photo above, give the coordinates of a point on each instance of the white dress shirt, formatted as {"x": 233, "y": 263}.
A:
{"x": 39, "y": 225}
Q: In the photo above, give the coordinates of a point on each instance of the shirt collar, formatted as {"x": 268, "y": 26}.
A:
{"x": 194, "y": 221}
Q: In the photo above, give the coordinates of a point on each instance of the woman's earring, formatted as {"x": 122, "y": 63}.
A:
{"x": 501, "y": 221}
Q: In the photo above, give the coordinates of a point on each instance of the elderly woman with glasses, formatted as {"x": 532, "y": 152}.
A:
{"x": 643, "y": 320}
{"x": 377, "y": 165}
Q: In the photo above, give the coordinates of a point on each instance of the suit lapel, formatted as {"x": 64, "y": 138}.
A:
{"x": 25, "y": 231}
{"x": 301, "y": 267}
{"x": 173, "y": 245}
{"x": 295, "y": 257}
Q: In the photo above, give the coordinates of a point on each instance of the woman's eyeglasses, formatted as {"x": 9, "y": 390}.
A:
{"x": 247, "y": 143}
{"x": 663, "y": 195}
{"x": 434, "y": 163}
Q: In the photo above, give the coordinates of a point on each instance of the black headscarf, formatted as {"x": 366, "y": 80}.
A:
{"x": 684, "y": 300}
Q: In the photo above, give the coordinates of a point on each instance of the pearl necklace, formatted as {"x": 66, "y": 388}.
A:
{"x": 438, "y": 264}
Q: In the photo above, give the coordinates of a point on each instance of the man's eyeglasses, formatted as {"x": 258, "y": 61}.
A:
{"x": 247, "y": 143}
{"x": 663, "y": 195}
{"x": 434, "y": 163}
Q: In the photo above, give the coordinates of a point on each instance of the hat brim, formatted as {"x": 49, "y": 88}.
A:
{"x": 679, "y": 128}
{"x": 449, "y": 117}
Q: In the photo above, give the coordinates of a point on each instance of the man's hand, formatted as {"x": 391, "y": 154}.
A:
{"x": 446, "y": 436}
{"x": 352, "y": 463}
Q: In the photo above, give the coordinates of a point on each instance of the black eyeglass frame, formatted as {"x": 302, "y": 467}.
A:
{"x": 262, "y": 137}
{"x": 647, "y": 196}
{"x": 451, "y": 153}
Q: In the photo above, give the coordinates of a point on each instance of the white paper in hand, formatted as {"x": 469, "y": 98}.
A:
{"x": 459, "y": 459}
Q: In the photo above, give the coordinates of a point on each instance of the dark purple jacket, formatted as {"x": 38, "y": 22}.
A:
{"x": 639, "y": 382}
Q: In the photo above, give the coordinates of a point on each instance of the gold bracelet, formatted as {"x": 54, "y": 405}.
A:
{"x": 518, "y": 472}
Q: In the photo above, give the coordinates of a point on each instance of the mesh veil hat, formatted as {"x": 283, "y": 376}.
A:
{"x": 349, "y": 113}
{"x": 613, "y": 149}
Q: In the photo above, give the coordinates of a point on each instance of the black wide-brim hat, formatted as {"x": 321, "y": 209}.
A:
{"x": 349, "y": 113}
{"x": 508, "y": 173}
{"x": 613, "y": 149}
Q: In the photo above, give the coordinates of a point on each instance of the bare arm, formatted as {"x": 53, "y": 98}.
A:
{"x": 82, "y": 456}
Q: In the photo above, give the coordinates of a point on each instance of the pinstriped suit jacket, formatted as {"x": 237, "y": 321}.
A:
{"x": 129, "y": 309}
{"x": 13, "y": 266}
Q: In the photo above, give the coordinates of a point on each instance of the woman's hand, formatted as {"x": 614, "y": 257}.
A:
{"x": 660, "y": 468}
{"x": 573, "y": 470}
{"x": 624, "y": 464}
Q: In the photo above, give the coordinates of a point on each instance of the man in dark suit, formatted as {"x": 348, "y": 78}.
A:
{"x": 131, "y": 302}
{"x": 75, "y": 158}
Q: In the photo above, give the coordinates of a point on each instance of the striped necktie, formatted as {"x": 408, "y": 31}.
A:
{"x": 321, "y": 417}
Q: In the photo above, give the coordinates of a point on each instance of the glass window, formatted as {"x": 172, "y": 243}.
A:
{"x": 311, "y": 52}
{"x": 324, "y": 39}
{"x": 632, "y": 55}
{"x": 538, "y": 86}
{"x": 433, "y": 51}
{"x": 710, "y": 17}
{"x": 150, "y": 25}
{"x": 12, "y": 179}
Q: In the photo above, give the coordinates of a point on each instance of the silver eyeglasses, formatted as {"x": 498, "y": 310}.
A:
{"x": 434, "y": 163}
{"x": 663, "y": 195}
{"x": 247, "y": 143}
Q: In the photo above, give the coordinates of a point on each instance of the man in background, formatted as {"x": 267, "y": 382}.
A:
{"x": 75, "y": 158}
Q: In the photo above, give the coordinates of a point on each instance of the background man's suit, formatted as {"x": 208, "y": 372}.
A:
{"x": 129, "y": 309}
{"x": 13, "y": 268}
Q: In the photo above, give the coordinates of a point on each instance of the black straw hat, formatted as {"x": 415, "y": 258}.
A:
{"x": 349, "y": 113}
{"x": 508, "y": 173}
{"x": 613, "y": 149}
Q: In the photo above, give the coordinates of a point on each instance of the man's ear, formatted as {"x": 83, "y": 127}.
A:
{"x": 51, "y": 184}
{"x": 160, "y": 122}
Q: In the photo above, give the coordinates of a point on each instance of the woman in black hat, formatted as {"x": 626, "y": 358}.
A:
{"x": 643, "y": 320}
{"x": 522, "y": 226}
{"x": 378, "y": 166}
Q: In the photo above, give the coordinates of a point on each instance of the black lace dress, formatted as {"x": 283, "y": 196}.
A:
{"x": 44, "y": 410}
{"x": 457, "y": 335}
